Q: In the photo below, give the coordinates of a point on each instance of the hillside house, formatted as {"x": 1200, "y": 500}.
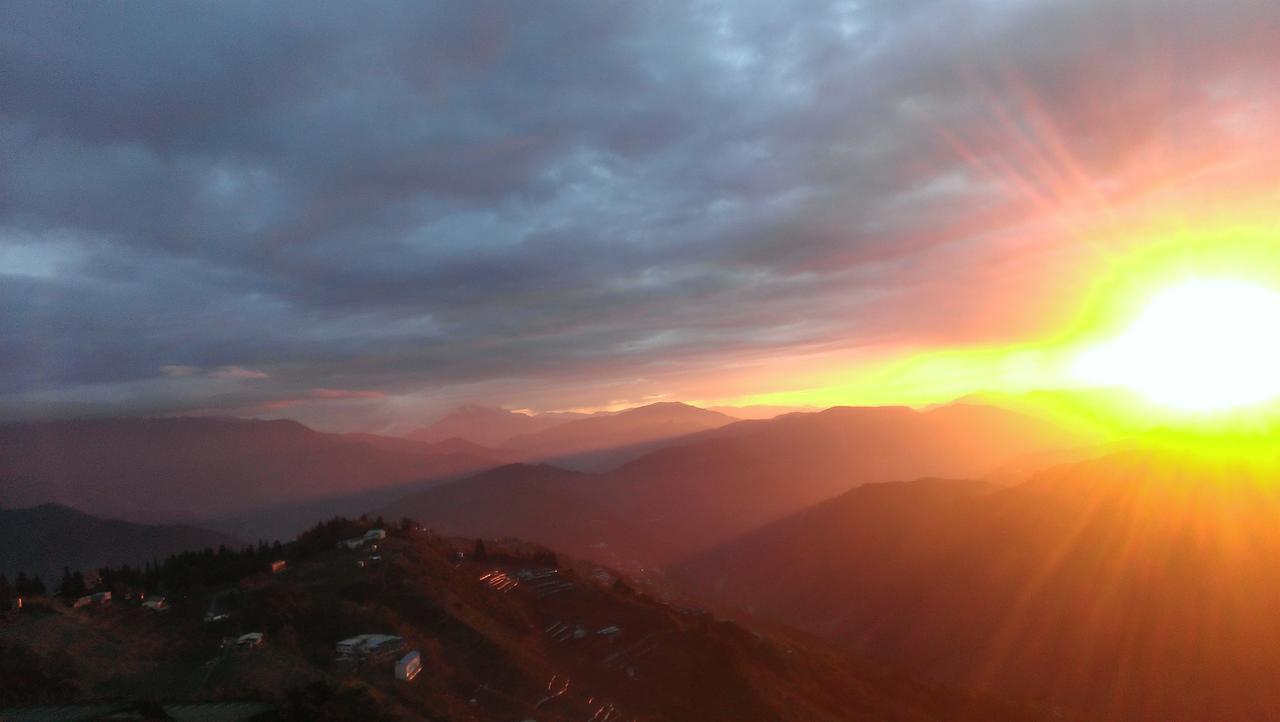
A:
{"x": 351, "y": 543}
{"x": 375, "y": 535}
{"x": 383, "y": 650}
{"x": 370, "y": 647}
{"x": 409, "y": 666}
{"x": 252, "y": 640}
{"x": 278, "y": 566}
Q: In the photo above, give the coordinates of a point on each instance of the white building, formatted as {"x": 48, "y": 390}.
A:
{"x": 409, "y": 666}
{"x": 252, "y": 640}
{"x": 370, "y": 646}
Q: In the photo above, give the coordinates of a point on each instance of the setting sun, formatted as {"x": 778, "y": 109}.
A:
{"x": 1206, "y": 345}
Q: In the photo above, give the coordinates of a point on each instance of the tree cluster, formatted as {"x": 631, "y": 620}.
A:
{"x": 22, "y": 586}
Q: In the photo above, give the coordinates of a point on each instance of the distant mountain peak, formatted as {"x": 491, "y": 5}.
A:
{"x": 665, "y": 406}
{"x": 481, "y": 410}
{"x": 485, "y": 425}
{"x": 657, "y": 422}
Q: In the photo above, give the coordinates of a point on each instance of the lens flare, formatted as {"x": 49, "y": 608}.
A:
{"x": 1204, "y": 346}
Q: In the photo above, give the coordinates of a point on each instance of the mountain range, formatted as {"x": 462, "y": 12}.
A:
{"x": 709, "y": 487}
{"x": 604, "y": 441}
{"x": 1140, "y": 585}
{"x": 195, "y": 469}
{"x": 973, "y": 545}
{"x": 487, "y": 426}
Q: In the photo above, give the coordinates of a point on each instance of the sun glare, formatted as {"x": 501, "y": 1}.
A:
{"x": 1204, "y": 346}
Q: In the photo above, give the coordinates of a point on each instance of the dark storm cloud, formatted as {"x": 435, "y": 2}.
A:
{"x": 396, "y": 198}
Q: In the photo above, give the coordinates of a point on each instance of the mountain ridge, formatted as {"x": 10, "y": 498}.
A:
{"x": 126, "y": 468}
{"x": 1138, "y": 585}
{"x": 517, "y": 632}
{"x": 486, "y": 425}
{"x": 44, "y": 538}
{"x": 709, "y": 487}
{"x": 619, "y": 436}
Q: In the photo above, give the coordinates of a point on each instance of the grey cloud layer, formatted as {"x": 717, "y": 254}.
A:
{"x": 407, "y": 197}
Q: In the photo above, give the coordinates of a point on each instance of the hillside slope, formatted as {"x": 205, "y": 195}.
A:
{"x": 42, "y": 540}
{"x": 437, "y": 449}
{"x": 1137, "y": 586}
{"x": 513, "y": 635}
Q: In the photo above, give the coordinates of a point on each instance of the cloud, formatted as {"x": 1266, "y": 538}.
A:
{"x": 560, "y": 204}
{"x": 240, "y": 372}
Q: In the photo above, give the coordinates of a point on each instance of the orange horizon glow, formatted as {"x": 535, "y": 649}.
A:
{"x": 1093, "y": 247}
{"x": 1234, "y": 264}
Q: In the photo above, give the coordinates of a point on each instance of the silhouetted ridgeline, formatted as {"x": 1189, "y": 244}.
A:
{"x": 43, "y": 540}
{"x": 1141, "y": 585}
{"x": 504, "y": 630}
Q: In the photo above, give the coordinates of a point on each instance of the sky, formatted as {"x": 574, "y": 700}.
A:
{"x": 360, "y": 215}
